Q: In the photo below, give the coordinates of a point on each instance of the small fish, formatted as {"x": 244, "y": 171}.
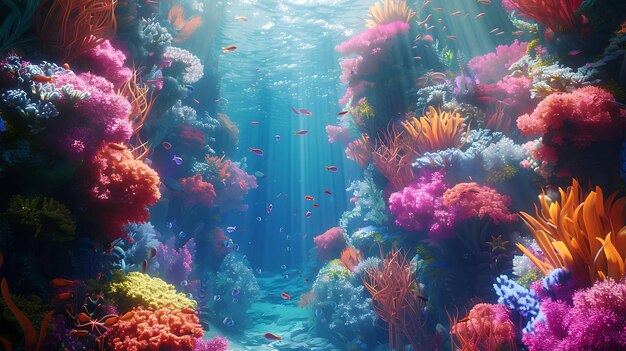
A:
{"x": 425, "y": 20}
{"x": 241, "y": 18}
{"x": 295, "y": 111}
{"x": 309, "y": 197}
{"x": 127, "y": 316}
{"x": 307, "y": 280}
{"x": 166, "y": 145}
{"x": 256, "y": 151}
{"x": 307, "y": 214}
{"x": 196, "y": 101}
{"x": 270, "y": 207}
{"x": 484, "y": 2}
{"x": 332, "y": 168}
{"x": 285, "y": 296}
{"x": 79, "y": 333}
{"x": 255, "y": 123}
{"x": 229, "y": 48}
{"x": 177, "y": 160}
{"x": 425, "y": 3}
{"x": 304, "y": 111}
{"x": 66, "y": 66}
{"x": 494, "y": 30}
{"x": 116, "y": 146}
{"x": 342, "y": 113}
{"x": 40, "y": 78}
{"x": 451, "y": 37}
{"x": 518, "y": 32}
{"x": 500, "y": 33}
{"x": 231, "y": 229}
{"x": 316, "y": 205}
{"x": 152, "y": 3}
{"x": 431, "y": 27}
{"x": 277, "y": 137}
{"x": 327, "y": 192}
{"x": 456, "y": 13}
{"x": 242, "y": 185}
{"x": 354, "y": 199}
{"x": 64, "y": 296}
{"x": 271, "y": 336}
{"x": 439, "y": 9}
{"x": 189, "y": 87}
{"x": 482, "y": 14}
{"x": 301, "y": 132}
{"x": 61, "y": 283}
{"x": 574, "y": 52}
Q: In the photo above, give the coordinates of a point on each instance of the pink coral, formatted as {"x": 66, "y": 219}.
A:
{"x": 220, "y": 343}
{"x": 330, "y": 244}
{"x": 476, "y": 200}
{"x": 582, "y": 117}
{"x": 101, "y": 117}
{"x": 174, "y": 266}
{"x": 190, "y": 137}
{"x": 596, "y": 321}
{"x": 419, "y": 207}
{"x": 487, "y": 327}
{"x": 337, "y": 134}
{"x": 492, "y": 67}
{"x": 119, "y": 189}
{"x": 238, "y": 184}
{"x": 107, "y": 61}
{"x": 162, "y": 329}
{"x": 197, "y": 192}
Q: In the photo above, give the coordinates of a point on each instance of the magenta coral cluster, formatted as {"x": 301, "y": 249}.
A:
{"x": 220, "y": 343}
{"x": 237, "y": 184}
{"x": 420, "y": 207}
{"x": 329, "y": 244}
{"x": 492, "y": 67}
{"x": 595, "y": 321}
{"x": 475, "y": 200}
{"x": 174, "y": 265}
{"x": 107, "y": 61}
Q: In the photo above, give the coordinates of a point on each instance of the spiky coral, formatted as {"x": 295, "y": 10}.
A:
{"x": 583, "y": 234}
{"x": 487, "y": 327}
{"x": 138, "y": 289}
{"x": 436, "y": 130}
{"x": 387, "y": 11}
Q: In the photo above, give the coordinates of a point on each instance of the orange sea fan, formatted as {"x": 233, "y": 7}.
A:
{"x": 585, "y": 235}
{"x": 392, "y": 156}
{"x": 359, "y": 151}
{"x": 438, "y": 130}
{"x": 185, "y": 28}
{"x": 350, "y": 258}
{"x": 68, "y": 28}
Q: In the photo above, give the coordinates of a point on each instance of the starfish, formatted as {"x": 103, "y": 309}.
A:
{"x": 497, "y": 243}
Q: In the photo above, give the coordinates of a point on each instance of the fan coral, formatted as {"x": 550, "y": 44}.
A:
{"x": 387, "y": 11}
{"x": 106, "y": 61}
{"x": 583, "y": 234}
{"x": 119, "y": 188}
{"x": 392, "y": 156}
{"x": 492, "y": 67}
{"x": 185, "y": 64}
{"x": 596, "y": 321}
{"x": 197, "y": 192}
{"x": 138, "y": 289}
{"x": 558, "y": 15}
{"x": 420, "y": 207}
{"x": 159, "y": 329}
{"x": 52, "y": 218}
{"x": 220, "y": 343}
{"x": 586, "y": 115}
{"x": 487, "y": 327}
{"x": 329, "y": 244}
{"x": 476, "y": 200}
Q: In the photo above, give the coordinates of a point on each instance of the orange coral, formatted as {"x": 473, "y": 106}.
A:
{"x": 185, "y": 28}
{"x": 486, "y": 328}
{"x": 68, "y": 28}
{"x": 436, "y": 130}
{"x": 350, "y": 258}
{"x": 387, "y": 11}
{"x": 392, "y": 157}
{"x": 585, "y": 235}
{"x": 359, "y": 151}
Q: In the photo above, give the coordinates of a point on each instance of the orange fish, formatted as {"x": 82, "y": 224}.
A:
{"x": 61, "y": 283}
{"x": 301, "y": 132}
{"x": 111, "y": 320}
{"x": 623, "y": 29}
{"x": 127, "y": 316}
{"x": 285, "y": 296}
{"x": 271, "y": 336}
{"x": 309, "y": 197}
{"x": 342, "y": 113}
{"x": 40, "y": 78}
{"x": 66, "y": 66}
{"x": 79, "y": 333}
{"x": 451, "y": 37}
{"x": 229, "y": 48}
{"x": 64, "y": 296}
{"x": 188, "y": 310}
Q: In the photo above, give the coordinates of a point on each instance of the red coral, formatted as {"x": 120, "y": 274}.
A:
{"x": 476, "y": 200}
{"x": 197, "y": 192}
{"x": 163, "y": 329}
{"x": 582, "y": 117}
{"x": 487, "y": 327}
{"x": 192, "y": 138}
{"x": 119, "y": 188}
{"x": 230, "y": 196}
{"x": 330, "y": 244}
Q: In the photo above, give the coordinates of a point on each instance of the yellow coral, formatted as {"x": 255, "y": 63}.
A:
{"x": 501, "y": 174}
{"x": 436, "y": 130}
{"x": 387, "y": 11}
{"x": 138, "y": 289}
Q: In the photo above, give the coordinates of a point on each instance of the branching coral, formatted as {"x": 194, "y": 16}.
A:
{"x": 197, "y": 192}
{"x": 186, "y": 65}
{"x": 487, "y": 327}
{"x": 475, "y": 200}
{"x": 155, "y": 329}
{"x": 68, "y": 28}
{"x": 437, "y": 130}
{"x": 119, "y": 188}
{"x": 387, "y": 11}
{"x": 584, "y": 234}
{"x": 370, "y": 204}
{"x": 138, "y": 289}
{"x": 105, "y": 60}
{"x": 220, "y": 343}
{"x": 174, "y": 265}
{"x": 491, "y": 67}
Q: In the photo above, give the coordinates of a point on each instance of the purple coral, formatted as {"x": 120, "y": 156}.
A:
{"x": 220, "y": 343}
{"x": 107, "y": 61}
{"x": 596, "y": 321}
{"x": 175, "y": 265}
{"x": 419, "y": 207}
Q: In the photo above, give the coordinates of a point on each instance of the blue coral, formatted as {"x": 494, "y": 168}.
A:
{"x": 518, "y": 298}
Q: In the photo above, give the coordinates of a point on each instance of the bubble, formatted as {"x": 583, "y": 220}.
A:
{"x": 258, "y": 270}
{"x": 229, "y": 322}
{"x": 184, "y": 283}
{"x": 235, "y": 300}
{"x": 281, "y": 230}
{"x": 286, "y": 276}
{"x": 235, "y": 292}
{"x": 258, "y": 219}
{"x": 182, "y": 234}
{"x": 288, "y": 237}
{"x": 283, "y": 267}
{"x": 288, "y": 248}
{"x": 217, "y": 298}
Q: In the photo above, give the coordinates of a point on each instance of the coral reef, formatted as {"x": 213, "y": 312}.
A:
{"x": 475, "y": 200}
{"x": 140, "y": 290}
{"x": 329, "y": 244}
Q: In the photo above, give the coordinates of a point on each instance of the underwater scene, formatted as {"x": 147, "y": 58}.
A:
{"x": 313, "y": 175}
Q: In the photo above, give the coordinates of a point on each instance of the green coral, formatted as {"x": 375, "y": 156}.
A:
{"x": 532, "y": 276}
{"x": 138, "y": 289}
{"x": 365, "y": 109}
{"x": 31, "y": 305}
{"x": 25, "y": 212}
{"x": 501, "y": 174}
{"x": 334, "y": 270}
{"x": 48, "y": 216}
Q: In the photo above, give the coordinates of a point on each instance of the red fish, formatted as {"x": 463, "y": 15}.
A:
{"x": 40, "y": 78}
{"x": 294, "y": 111}
{"x": 327, "y": 192}
{"x": 271, "y": 336}
{"x": 255, "y": 123}
{"x": 301, "y": 132}
{"x": 269, "y": 208}
{"x": 451, "y": 37}
{"x": 309, "y": 197}
{"x": 242, "y": 185}
{"x": 574, "y": 52}
{"x": 285, "y": 296}
{"x": 354, "y": 199}
{"x": 307, "y": 214}
{"x": 342, "y": 113}
{"x": 304, "y": 111}
{"x": 64, "y": 296}
{"x": 256, "y": 151}
{"x": 166, "y": 145}
{"x": 332, "y": 168}
{"x": 61, "y": 283}
{"x": 316, "y": 205}
{"x": 229, "y": 48}
{"x": 307, "y": 280}
{"x": 425, "y": 20}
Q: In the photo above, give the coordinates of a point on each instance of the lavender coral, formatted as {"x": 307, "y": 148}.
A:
{"x": 185, "y": 64}
{"x": 491, "y": 67}
{"x": 106, "y": 61}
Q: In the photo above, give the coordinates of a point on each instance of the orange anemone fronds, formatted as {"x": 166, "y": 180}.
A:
{"x": 140, "y": 101}
{"x": 68, "y": 28}
{"x": 486, "y": 328}
{"x": 438, "y": 130}
{"x": 221, "y": 165}
{"x": 498, "y": 120}
{"x": 350, "y": 258}
{"x": 387, "y": 11}
{"x": 359, "y": 151}
{"x": 558, "y": 15}
{"x": 585, "y": 235}
{"x": 185, "y": 28}
{"x": 397, "y": 299}
{"x": 393, "y": 157}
